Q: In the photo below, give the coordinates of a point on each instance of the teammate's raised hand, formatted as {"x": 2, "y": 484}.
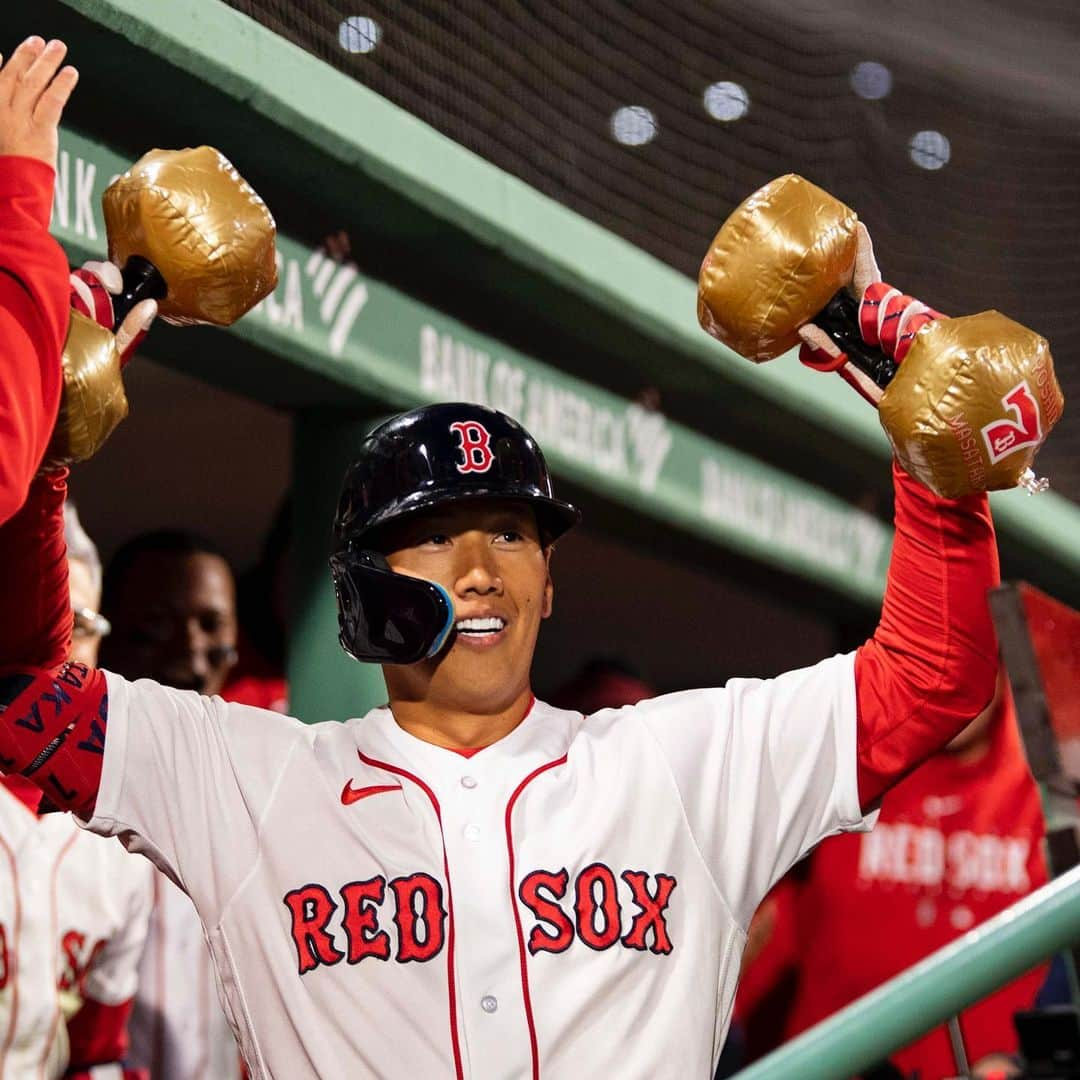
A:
{"x": 33, "y": 92}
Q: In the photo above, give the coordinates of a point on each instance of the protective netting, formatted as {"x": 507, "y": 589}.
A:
{"x": 950, "y": 127}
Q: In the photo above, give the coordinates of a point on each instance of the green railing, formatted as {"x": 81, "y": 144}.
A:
{"x": 928, "y": 994}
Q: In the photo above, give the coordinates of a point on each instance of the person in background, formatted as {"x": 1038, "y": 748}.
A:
{"x": 171, "y": 598}
{"x": 958, "y": 840}
{"x": 74, "y": 907}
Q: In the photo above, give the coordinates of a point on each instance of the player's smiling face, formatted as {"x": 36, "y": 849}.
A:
{"x": 490, "y": 559}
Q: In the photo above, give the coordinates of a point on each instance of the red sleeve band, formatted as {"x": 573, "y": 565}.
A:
{"x": 52, "y": 731}
{"x": 890, "y": 319}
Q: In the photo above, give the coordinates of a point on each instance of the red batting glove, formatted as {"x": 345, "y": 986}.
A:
{"x": 93, "y": 286}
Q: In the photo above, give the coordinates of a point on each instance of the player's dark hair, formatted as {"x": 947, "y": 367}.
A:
{"x": 179, "y": 542}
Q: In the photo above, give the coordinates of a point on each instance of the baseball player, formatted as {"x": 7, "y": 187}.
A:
{"x": 467, "y": 882}
{"x": 73, "y": 913}
{"x": 73, "y": 916}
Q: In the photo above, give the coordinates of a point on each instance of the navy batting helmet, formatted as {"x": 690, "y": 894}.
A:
{"x": 416, "y": 461}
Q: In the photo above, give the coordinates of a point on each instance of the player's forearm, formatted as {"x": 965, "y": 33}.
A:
{"x": 930, "y": 667}
{"x": 34, "y": 312}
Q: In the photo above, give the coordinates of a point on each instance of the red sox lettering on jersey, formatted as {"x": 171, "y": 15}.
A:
{"x": 414, "y": 906}
{"x": 909, "y": 854}
{"x": 79, "y": 953}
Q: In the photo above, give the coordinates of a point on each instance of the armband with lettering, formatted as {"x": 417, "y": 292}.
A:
{"x": 52, "y": 731}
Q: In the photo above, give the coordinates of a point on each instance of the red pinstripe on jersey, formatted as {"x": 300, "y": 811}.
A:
{"x": 517, "y": 914}
{"x": 459, "y": 1072}
{"x": 13, "y": 958}
{"x": 54, "y": 936}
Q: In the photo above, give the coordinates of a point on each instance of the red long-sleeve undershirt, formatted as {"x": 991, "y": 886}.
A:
{"x": 35, "y": 631}
{"x": 34, "y": 313}
{"x": 928, "y": 670}
{"x": 930, "y": 667}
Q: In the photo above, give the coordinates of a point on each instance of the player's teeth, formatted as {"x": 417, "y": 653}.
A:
{"x": 480, "y": 626}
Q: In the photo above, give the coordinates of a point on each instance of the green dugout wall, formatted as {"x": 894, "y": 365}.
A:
{"x": 472, "y": 285}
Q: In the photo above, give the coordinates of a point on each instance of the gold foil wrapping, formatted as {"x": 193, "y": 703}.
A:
{"x": 972, "y": 402}
{"x": 93, "y": 401}
{"x": 192, "y": 215}
{"x": 775, "y": 263}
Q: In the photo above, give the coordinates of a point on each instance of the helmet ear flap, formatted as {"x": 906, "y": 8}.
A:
{"x": 385, "y": 617}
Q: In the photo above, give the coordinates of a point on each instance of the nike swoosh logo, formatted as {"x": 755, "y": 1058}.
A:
{"x": 349, "y": 794}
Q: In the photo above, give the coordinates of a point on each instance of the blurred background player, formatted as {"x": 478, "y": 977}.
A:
{"x": 73, "y": 909}
{"x": 171, "y": 599}
{"x": 958, "y": 840}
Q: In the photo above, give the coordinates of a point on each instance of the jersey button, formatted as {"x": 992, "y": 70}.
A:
{"x": 489, "y": 1003}
{"x": 468, "y": 782}
{"x": 472, "y": 832}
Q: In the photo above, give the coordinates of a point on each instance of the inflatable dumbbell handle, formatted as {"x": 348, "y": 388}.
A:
{"x": 840, "y": 320}
{"x": 142, "y": 281}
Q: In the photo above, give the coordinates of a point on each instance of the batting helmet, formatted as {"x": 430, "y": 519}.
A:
{"x": 422, "y": 459}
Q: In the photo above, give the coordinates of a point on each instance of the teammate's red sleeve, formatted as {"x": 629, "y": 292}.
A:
{"x": 98, "y": 1035}
{"x": 52, "y": 713}
{"x": 930, "y": 667}
{"x": 35, "y": 628}
{"x": 34, "y": 313}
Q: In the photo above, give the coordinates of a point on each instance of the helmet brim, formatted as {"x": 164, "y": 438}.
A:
{"x": 554, "y": 517}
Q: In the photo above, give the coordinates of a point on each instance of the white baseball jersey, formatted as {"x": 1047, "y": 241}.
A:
{"x": 570, "y": 901}
{"x": 73, "y": 915}
{"x": 178, "y": 1029}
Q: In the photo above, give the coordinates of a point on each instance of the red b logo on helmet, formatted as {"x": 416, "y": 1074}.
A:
{"x": 476, "y": 455}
